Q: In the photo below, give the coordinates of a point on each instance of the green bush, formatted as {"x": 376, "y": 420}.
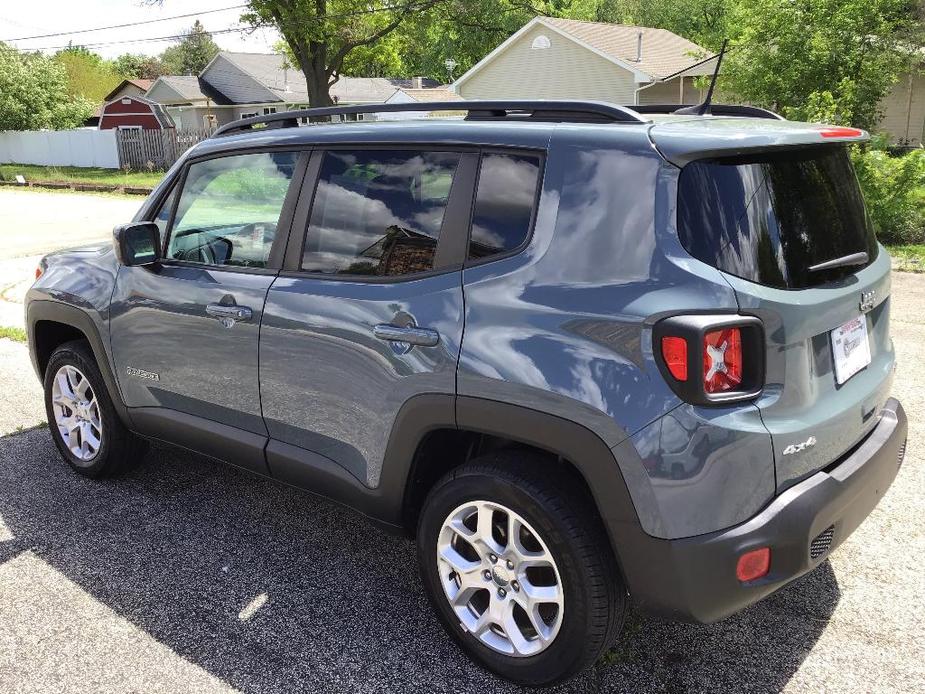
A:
{"x": 894, "y": 189}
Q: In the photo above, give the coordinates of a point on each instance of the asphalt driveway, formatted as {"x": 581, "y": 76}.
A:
{"x": 187, "y": 575}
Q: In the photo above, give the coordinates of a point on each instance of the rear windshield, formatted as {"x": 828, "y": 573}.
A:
{"x": 769, "y": 218}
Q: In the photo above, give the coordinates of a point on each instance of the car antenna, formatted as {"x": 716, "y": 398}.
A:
{"x": 704, "y": 108}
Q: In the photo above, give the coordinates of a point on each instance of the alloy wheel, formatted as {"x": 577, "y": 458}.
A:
{"x": 500, "y": 578}
{"x": 77, "y": 413}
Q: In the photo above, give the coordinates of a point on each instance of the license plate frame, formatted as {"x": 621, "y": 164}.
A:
{"x": 850, "y": 348}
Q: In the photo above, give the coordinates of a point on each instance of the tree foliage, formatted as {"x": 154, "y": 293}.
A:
{"x": 34, "y": 93}
{"x": 192, "y": 54}
{"x": 825, "y": 60}
{"x": 139, "y": 66}
{"x": 88, "y": 75}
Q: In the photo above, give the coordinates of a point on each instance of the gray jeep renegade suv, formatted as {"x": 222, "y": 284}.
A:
{"x": 585, "y": 356}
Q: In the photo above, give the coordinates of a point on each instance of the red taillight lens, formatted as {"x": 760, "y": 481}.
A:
{"x": 38, "y": 271}
{"x": 674, "y": 352}
{"x": 722, "y": 360}
{"x": 841, "y": 132}
{"x": 754, "y": 564}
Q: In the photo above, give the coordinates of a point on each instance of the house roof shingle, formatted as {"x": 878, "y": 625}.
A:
{"x": 664, "y": 53}
{"x": 289, "y": 83}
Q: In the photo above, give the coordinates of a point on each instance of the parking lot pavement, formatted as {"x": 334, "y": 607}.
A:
{"x": 187, "y": 575}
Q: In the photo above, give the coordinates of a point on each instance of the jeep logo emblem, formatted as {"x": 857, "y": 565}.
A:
{"x": 867, "y": 300}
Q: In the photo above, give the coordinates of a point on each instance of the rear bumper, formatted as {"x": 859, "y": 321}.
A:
{"x": 694, "y": 579}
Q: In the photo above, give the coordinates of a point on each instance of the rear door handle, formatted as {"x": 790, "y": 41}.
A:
{"x": 411, "y": 335}
{"x": 234, "y": 313}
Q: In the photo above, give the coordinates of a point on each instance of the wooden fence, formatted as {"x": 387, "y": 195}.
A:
{"x": 146, "y": 150}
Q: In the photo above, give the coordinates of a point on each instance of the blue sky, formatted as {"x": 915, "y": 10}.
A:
{"x": 20, "y": 18}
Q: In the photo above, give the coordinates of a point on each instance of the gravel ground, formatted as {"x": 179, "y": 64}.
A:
{"x": 186, "y": 575}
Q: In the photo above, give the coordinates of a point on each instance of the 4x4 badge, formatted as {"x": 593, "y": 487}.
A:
{"x": 797, "y": 447}
{"x": 867, "y": 300}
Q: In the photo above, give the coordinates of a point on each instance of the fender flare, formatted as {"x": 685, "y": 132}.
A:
{"x": 56, "y": 312}
{"x": 590, "y": 455}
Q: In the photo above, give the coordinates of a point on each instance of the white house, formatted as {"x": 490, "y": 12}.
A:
{"x": 415, "y": 96}
{"x": 552, "y": 58}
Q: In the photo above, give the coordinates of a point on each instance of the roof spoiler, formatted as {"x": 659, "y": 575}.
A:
{"x": 715, "y": 110}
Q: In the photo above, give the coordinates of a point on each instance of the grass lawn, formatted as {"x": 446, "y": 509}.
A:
{"x": 17, "y": 334}
{"x": 908, "y": 258}
{"x": 74, "y": 174}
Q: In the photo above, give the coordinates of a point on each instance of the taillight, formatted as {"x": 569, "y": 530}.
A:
{"x": 711, "y": 359}
{"x": 722, "y": 360}
{"x": 38, "y": 271}
{"x": 674, "y": 352}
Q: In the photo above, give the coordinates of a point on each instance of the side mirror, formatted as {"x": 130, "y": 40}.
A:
{"x": 137, "y": 243}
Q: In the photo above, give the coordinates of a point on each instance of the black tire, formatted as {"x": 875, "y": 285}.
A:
{"x": 119, "y": 448}
{"x": 563, "y": 514}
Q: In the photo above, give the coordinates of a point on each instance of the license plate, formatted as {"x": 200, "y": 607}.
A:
{"x": 851, "y": 348}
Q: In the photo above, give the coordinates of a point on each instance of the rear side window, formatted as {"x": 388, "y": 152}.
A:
{"x": 378, "y": 213}
{"x": 504, "y": 203}
{"x": 770, "y": 218}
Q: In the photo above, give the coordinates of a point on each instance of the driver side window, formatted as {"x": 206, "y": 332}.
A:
{"x": 229, "y": 209}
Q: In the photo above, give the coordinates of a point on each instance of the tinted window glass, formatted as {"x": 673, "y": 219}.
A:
{"x": 163, "y": 217}
{"x": 229, "y": 209}
{"x": 378, "y": 212}
{"x": 770, "y": 218}
{"x": 503, "y": 203}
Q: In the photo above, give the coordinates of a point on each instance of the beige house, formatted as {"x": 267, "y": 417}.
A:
{"x": 567, "y": 59}
{"x": 903, "y": 109}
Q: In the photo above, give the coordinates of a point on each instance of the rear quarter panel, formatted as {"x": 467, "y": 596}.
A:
{"x": 565, "y": 326}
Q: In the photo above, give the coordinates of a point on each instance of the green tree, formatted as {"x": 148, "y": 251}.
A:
{"x": 830, "y": 60}
{"x": 325, "y": 37}
{"x": 138, "y": 66}
{"x": 192, "y": 54}
{"x": 88, "y": 75}
{"x": 34, "y": 93}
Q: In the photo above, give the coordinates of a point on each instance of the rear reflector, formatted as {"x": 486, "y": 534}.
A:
{"x": 722, "y": 360}
{"x": 841, "y": 132}
{"x": 753, "y": 564}
{"x": 674, "y": 352}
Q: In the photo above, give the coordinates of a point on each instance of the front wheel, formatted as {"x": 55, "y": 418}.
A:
{"x": 518, "y": 568}
{"x": 83, "y": 422}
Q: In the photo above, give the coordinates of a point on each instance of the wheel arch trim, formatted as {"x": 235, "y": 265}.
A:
{"x": 65, "y": 314}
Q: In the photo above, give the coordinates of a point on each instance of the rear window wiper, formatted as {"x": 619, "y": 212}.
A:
{"x": 845, "y": 261}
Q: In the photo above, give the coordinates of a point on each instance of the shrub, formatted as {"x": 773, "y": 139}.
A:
{"x": 894, "y": 189}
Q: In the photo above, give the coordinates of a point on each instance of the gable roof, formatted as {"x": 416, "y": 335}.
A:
{"x": 664, "y": 53}
{"x": 143, "y": 85}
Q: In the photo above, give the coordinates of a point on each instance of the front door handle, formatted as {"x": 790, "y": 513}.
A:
{"x": 410, "y": 335}
{"x": 232, "y": 313}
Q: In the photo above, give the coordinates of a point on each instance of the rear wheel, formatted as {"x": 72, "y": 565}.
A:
{"x": 84, "y": 424}
{"x": 518, "y": 568}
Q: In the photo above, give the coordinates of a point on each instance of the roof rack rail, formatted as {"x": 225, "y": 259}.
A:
{"x": 715, "y": 110}
{"x": 545, "y": 110}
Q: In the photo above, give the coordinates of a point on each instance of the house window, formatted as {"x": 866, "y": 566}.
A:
{"x": 248, "y": 115}
{"x": 540, "y": 41}
{"x": 268, "y": 110}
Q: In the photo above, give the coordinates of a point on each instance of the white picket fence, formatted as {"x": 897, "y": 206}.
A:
{"x": 84, "y": 147}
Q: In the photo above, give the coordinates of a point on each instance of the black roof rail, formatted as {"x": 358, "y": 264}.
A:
{"x": 715, "y": 110}
{"x": 545, "y": 110}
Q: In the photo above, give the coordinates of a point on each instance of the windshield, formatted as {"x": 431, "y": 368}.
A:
{"x": 770, "y": 218}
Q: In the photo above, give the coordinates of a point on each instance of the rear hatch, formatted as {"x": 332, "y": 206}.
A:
{"x": 776, "y": 207}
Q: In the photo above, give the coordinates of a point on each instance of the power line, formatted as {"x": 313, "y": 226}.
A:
{"x": 174, "y": 37}
{"x": 128, "y": 24}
